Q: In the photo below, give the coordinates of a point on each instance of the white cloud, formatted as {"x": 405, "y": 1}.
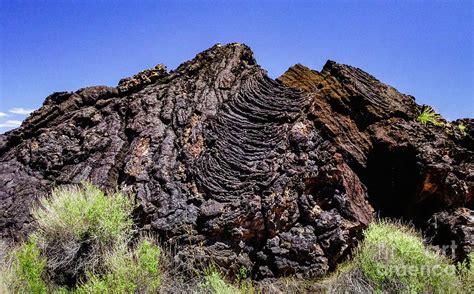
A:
{"x": 10, "y": 124}
{"x": 3, "y": 114}
{"x": 20, "y": 110}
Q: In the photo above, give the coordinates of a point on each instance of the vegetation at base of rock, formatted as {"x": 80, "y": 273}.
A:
{"x": 128, "y": 271}
{"x": 215, "y": 282}
{"x": 77, "y": 226}
{"x": 466, "y": 272}
{"x": 82, "y": 242}
{"x": 26, "y": 271}
{"x": 394, "y": 258}
{"x": 428, "y": 115}
{"x": 84, "y": 212}
{"x": 391, "y": 258}
{"x": 393, "y": 255}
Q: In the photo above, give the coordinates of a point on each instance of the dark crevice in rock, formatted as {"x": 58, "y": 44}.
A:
{"x": 392, "y": 178}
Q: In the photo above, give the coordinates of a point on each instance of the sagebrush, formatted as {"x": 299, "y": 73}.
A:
{"x": 84, "y": 244}
{"x": 77, "y": 226}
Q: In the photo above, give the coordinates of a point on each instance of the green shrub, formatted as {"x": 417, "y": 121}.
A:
{"x": 31, "y": 267}
{"x": 85, "y": 234}
{"x": 117, "y": 277}
{"x": 24, "y": 270}
{"x": 428, "y": 115}
{"x": 128, "y": 271}
{"x": 242, "y": 274}
{"x": 466, "y": 273}
{"x": 148, "y": 272}
{"x": 77, "y": 225}
{"x": 462, "y": 129}
{"x": 393, "y": 256}
{"x": 214, "y": 282}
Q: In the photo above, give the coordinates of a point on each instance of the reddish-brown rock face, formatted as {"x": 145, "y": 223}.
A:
{"x": 230, "y": 165}
{"x": 410, "y": 170}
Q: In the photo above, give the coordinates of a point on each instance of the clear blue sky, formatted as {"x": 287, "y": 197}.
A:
{"x": 423, "y": 48}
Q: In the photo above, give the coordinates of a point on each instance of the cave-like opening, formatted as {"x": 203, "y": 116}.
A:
{"x": 392, "y": 179}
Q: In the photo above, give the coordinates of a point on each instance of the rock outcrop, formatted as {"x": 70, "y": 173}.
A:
{"x": 410, "y": 170}
{"x": 279, "y": 176}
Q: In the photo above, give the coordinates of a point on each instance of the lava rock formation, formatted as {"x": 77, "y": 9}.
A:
{"x": 229, "y": 165}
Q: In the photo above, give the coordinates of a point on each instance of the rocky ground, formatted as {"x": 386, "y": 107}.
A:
{"x": 229, "y": 165}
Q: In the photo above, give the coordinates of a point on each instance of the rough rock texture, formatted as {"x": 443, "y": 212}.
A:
{"x": 279, "y": 176}
{"x": 410, "y": 170}
{"x": 452, "y": 231}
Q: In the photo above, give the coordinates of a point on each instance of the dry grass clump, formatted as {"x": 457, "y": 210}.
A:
{"x": 174, "y": 278}
{"x": 3, "y": 266}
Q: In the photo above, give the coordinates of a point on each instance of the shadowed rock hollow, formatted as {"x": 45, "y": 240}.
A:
{"x": 279, "y": 176}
